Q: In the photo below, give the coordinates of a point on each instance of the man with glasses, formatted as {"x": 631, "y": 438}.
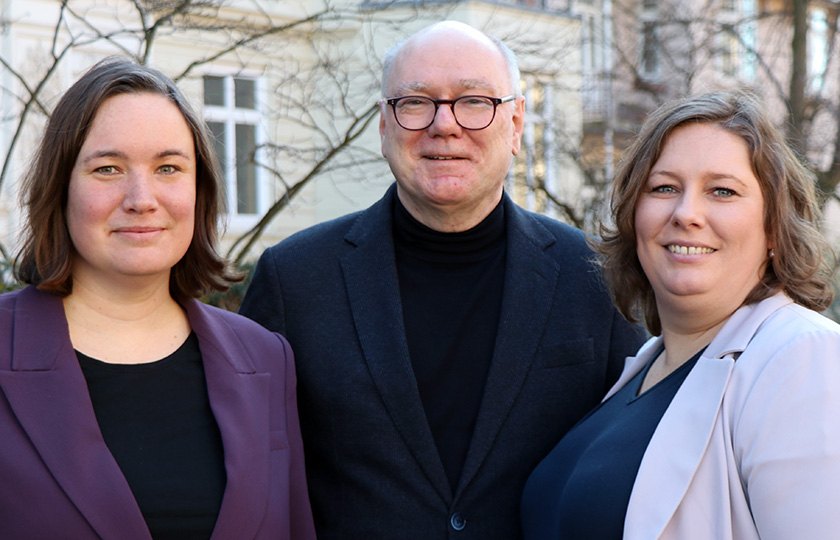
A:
{"x": 445, "y": 338}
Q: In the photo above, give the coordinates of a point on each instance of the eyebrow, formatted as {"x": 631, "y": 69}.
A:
{"x": 708, "y": 176}
{"x": 467, "y": 84}
{"x": 122, "y": 155}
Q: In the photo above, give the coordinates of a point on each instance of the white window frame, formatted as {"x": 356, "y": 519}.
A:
{"x": 230, "y": 115}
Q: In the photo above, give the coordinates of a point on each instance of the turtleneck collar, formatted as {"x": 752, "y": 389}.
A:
{"x": 470, "y": 246}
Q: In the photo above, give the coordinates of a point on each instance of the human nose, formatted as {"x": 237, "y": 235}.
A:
{"x": 444, "y": 122}
{"x": 139, "y": 194}
{"x": 688, "y": 211}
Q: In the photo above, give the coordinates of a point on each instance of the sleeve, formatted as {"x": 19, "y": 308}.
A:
{"x": 263, "y": 300}
{"x": 787, "y": 440}
{"x": 300, "y": 511}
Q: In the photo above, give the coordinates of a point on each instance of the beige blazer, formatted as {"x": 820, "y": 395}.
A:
{"x": 750, "y": 446}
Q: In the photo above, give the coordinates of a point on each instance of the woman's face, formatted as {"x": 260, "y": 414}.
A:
{"x": 700, "y": 224}
{"x": 131, "y": 198}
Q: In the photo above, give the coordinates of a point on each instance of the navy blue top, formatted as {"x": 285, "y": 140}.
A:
{"x": 582, "y": 488}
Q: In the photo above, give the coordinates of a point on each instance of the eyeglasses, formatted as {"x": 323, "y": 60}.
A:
{"x": 416, "y": 113}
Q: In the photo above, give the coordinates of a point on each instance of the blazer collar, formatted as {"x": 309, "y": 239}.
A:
{"x": 531, "y": 282}
{"x": 48, "y": 394}
{"x": 685, "y": 430}
{"x": 531, "y": 278}
{"x": 240, "y": 400}
{"x": 370, "y": 276}
{"x": 732, "y": 338}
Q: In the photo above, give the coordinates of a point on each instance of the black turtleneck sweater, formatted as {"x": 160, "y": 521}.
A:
{"x": 451, "y": 287}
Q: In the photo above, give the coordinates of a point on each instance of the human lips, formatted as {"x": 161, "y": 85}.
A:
{"x": 137, "y": 231}
{"x": 679, "y": 249}
{"x": 442, "y": 157}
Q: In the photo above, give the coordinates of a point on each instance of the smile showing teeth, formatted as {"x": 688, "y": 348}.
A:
{"x": 441, "y": 157}
{"x": 689, "y": 250}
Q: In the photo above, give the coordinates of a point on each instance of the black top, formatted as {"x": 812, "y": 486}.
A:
{"x": 582, "y": 489}
{"x": 157, "y": 423}
{"x": 451, "y": 289}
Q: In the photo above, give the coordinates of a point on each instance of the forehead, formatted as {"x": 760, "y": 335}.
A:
{"x": 449, "y": 62}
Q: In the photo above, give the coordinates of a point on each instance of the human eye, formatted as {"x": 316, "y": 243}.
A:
{"x": 412, "y": 102}
{"x": 723, "y": 192}
{"x": 106, "y": 170}
{"x": 663, "y": 188}
{"x": 476, "y": 102}
{"x": 168, "y": 169}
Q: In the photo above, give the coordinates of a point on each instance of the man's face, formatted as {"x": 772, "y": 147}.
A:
{"x": 449, "y": 177}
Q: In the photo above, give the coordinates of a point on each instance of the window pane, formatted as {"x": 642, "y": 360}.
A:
{"x": 245, "y": 90}
{"x": 650, "y": 52}
{"x": 214, "y": 91}
{"x": 246, "y": 170}
{"x": 218, "y": 131}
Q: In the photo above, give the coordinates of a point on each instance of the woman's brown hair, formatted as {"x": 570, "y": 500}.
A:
{"x": 46, "y": 253}
{"x": 791, "y": 209}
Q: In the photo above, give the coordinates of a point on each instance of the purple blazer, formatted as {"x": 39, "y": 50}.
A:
{"x": 57, "y": 477}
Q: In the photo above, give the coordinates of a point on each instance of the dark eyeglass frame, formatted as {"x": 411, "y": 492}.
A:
{"x": 451, "y": 102}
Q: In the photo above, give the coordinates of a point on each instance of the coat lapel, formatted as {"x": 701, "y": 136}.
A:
{"x": 677, "y": 447}
{"x": 370, "y": 275}
{"x": 239, "y": 398}
{"x": 682, "y": 436}
{"x": 48, "y": 394}
{"x": 531, "y": 278}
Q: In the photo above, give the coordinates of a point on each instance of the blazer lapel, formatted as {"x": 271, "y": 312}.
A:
{"x": 680, "y": 440}
{"x": 239, "y": 398}
{"x": 48, "y": 393}
{"x": 531, "y": 278}
{"x": 682, "y": 436}
{"x": 370, "y": 275}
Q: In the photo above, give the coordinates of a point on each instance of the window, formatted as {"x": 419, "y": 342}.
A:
{"x": 650, "y": 50}
{"x": 736, "y": 39}
{"x": 649, "y": 40}
{"x": 230, "y": 108}
{"x": 817, "y": 48}
{"x": 729, "y": 53}
{"x": 532, "y": 167}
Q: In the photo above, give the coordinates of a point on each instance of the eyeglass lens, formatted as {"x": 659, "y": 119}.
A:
{"x": 471, "y": 112}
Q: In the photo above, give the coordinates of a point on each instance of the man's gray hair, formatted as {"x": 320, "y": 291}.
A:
{"x": 509, "y": 56}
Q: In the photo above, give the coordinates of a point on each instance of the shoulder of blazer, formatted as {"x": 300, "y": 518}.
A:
{"x": 329, "y": 237}
{"x": 35, "y": 328}
{"x": 558, "y": 239}
{"x": 231, "y": 335}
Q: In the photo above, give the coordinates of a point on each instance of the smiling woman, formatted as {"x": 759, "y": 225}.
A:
{"x": 153, "y": 415}
{"x": 723, "y": 426}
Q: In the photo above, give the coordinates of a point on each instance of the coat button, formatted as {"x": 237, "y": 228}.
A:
{"x": 457, "y": 521}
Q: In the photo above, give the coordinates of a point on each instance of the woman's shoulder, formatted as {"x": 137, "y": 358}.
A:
{"x": 792, "y": 340}
{"x": 207, "y": 319}
{"x": 795, "y": 321}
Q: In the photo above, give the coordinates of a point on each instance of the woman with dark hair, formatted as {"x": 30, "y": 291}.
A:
{"x": 724, "y": 425}
{"x": 129, "y": 409}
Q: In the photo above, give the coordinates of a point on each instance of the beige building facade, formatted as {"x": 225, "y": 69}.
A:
{"x": 289, "y": 90}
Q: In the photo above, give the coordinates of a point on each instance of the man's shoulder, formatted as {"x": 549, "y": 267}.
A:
{"x": 562, "y": 238}
{"x": 333, "y": 230}
{"x": 335, "y": 233}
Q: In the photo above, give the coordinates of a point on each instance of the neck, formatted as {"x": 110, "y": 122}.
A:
{"x": 124, "y": 325}
{"x": 686, "y": 333}
{"x": 451, "y": 218}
